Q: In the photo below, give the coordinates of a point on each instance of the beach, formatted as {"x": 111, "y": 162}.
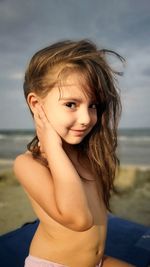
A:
{"x": 15, "y": 208}
{"x": 132, "y": 183}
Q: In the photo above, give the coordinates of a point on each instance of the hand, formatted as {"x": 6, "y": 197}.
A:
{"x": 45, "y": 132}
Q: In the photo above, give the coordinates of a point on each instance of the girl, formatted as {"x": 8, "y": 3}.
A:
{"x": 70, "y": 165}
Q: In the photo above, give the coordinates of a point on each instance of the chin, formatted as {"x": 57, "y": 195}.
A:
{"x": 73, "y": 141}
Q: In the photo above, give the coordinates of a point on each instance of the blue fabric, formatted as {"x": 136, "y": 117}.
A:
{"x": 125, "y": 240}
{"x": 144, "y": 241}
{"x": 14, "y": 246}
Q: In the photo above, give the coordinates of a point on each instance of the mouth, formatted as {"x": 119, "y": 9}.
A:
{"x": 78, "y": 132}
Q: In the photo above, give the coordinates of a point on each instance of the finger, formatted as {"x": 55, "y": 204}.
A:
{"x": 37, "y": 119}
{"x": 42, "y": 114}
{"x": 37, "y": 115}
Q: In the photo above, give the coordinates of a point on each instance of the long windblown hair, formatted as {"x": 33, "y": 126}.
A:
{"x": 50, "y": 66}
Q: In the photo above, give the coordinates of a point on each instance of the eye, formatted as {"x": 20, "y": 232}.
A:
{"x": 93, "y": 106}
{"x": 71, "y": 104}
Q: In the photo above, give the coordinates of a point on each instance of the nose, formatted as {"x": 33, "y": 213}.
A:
{"x": 84, "y": 117}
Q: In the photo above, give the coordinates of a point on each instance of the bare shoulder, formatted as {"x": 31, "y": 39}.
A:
{"x": 25, "y": 163}
{"x": 37, "y": 182}
{"x": 25, "y": 158}
{"x": 21, "y": 160}
{"x": 31, "y": 173}
{"x": 34, "y": 177}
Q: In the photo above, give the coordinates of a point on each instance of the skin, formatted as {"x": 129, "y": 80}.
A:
{"x": 41, "y": 120}
{"x": 60, "y": 116}
{"x": 55, "y": 122}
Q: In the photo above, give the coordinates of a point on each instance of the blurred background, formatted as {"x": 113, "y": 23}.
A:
{"x": 27, "y": 26}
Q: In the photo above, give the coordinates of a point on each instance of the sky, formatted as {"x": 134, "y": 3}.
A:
{"x": 121, "y": 25}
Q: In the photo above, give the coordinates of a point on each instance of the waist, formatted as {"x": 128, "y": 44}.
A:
{"x": 70, "y": 252}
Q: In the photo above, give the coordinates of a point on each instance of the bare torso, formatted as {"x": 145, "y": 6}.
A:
{"x": 54, "y": 242}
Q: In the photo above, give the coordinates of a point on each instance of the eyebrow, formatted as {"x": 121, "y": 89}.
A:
{"x": 71, "y": 98}
{"x": 74, "y": 99}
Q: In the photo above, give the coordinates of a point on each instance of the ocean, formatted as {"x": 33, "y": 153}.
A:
{"x": 133, "y": 145}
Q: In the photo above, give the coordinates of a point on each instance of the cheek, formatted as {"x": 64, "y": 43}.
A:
{"x": 60, "y": 123}
{"x": 65, "y": 123}
{"x": 59, "y": 119}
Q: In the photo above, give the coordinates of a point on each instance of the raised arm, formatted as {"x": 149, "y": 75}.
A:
{"x": 69, "y": 191}
{"x": 67, "y": 202}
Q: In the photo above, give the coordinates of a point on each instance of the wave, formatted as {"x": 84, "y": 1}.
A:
{"x": 3, "y": 136}
{"x": 136, "y": 139}
{"x": 23, "y": 138}
{"x": 16, "y": 137}
{"x": 125, "y": 135}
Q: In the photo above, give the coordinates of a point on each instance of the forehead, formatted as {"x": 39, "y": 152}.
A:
{"x": 75, "y": 85}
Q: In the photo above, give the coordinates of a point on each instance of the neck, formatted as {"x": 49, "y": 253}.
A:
{"x": 69, "y": 149}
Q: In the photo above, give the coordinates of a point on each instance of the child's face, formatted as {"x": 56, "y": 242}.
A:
{"x": 70, "y": 112}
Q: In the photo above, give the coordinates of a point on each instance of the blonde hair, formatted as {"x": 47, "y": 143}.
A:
{"x": 84, "y": 57}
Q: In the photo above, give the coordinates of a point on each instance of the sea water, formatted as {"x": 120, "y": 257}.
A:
{"x": 133, "y": 144}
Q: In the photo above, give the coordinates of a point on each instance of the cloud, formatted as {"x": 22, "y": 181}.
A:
{"x": 27, "y": 26}
{"x": 16, "y": 76}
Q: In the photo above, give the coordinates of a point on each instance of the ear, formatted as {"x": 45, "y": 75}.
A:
{"x": 33, "y": 101}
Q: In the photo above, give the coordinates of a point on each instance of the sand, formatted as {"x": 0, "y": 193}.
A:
{"x": 130, "y": 202}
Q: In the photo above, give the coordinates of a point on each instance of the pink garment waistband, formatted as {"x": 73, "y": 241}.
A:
{"x": 32, "y": 261}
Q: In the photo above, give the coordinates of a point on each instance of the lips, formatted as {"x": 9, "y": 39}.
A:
{"x": 77, "y": 132}
{"x": 80, "y": 131}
